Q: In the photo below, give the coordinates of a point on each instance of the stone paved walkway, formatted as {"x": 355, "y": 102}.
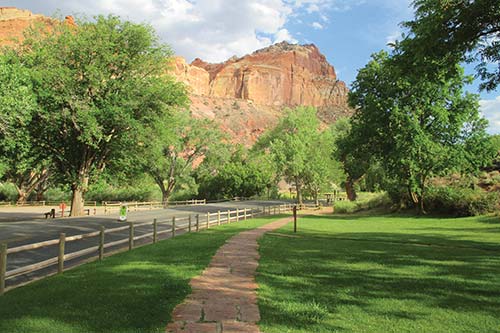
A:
{"x": 224, "y": 297}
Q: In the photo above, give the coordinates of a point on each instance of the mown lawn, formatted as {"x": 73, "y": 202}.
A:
{"x": 130, "y": 292}
{"x": 381, "y": 274}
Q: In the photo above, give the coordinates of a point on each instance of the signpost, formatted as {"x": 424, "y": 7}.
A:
{"x": 62, "y": 206}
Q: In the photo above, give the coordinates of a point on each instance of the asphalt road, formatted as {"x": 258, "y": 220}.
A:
{"x": 24, "y": 226}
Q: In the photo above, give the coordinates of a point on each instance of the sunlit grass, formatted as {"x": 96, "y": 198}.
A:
{"x": 382, "y": 274}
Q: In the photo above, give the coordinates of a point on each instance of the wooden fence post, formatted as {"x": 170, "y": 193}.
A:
{"x": 130, "y": 236}
{"x": 60, "y": 257}
{"x": 189, "y": 223}
{"x": 173, "y": 226}
{"x": 245, "y": 214}
{"x": 3, "y": 267}
{"x": 218, "y": 217}
{"x": 101, "y": 243}
{"x": 294, "y": 218}
{"x": 237, "y": 214}
{"x": 197, "y": 222}
{"x": 228, "y": 216}
{"x": 208, "y": 220}
{"x": 155, "y": 231}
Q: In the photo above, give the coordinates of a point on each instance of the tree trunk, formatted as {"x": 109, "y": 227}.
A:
{"x": 316, "y": 201}
{"x": 21, "y": 196}
{"x": 78, "y": 192}
{"x": 349, "y": 189}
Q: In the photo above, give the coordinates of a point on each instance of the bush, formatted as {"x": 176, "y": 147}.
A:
{"x": 365, "y": 201}
{"x": 456, "y": 201}
{"x": 7, "y": 192}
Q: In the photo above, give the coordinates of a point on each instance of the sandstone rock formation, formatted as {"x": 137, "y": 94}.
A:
{"x": 254, "y": 89}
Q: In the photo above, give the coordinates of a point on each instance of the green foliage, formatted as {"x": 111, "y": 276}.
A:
{"x": 171, "y": 148}
{"x": 415, "y": 126}
{"x": 244, "y": 174}
{"x": 365, "y": 201}
{"x": 302, "y": 154}
{"x": 8, "y": 192}
{"x": 444, "y": 33}
{"x": 458, "y": 201}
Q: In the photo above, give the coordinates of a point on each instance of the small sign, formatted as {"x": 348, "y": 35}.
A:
{"x": 123, "y": 213}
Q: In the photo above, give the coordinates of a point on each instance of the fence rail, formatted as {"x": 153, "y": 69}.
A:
{"x": 189, "y": 223}
{"x": 110, "y": 206}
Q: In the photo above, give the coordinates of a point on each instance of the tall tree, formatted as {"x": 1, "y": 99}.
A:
{"x": 97, "y": 86}
{"x": 170, "y": 152}
{"x": 417, "y": 126}
{"x": 293, "y": 143}
{"x": 444, "y": 33}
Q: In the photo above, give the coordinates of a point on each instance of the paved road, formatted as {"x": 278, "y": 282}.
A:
{"x": 28, "y": 228}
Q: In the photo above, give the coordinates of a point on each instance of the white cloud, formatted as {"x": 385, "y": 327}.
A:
{"x": 317, "y": 25}
{"x": 212, "y": 29}
{"x": 490, "y": 108}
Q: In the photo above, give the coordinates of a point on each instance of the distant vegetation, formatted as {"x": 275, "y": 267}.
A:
{"x": 89, "y": 113}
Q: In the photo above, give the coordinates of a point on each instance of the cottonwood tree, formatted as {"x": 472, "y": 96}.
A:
{"x": 417, "y": 126}
{"x": 169, "y": 152}
{"x": 293, "y": 144}
{"x": 97, "y": 86}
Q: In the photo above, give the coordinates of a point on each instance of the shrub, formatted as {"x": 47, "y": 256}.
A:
{"x": 456, "y": 201}
{"x": 365, "y": 201}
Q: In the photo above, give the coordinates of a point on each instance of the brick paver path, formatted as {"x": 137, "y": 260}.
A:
{"x": 224, "y": 297}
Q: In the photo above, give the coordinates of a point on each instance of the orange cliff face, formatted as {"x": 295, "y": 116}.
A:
{"x": 247, "y": 95}
{"x": 280, "y": 75}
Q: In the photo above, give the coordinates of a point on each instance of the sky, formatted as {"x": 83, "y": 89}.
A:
{"x": 347, "y": 32}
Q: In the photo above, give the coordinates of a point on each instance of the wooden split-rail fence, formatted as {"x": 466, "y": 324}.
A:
{"x": 189, "y": 223}
{"x": 110, "y": 206}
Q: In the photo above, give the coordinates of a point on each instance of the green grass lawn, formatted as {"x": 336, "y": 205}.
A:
{"x": 130, "y": 292}
{"x": 382, "y": 274}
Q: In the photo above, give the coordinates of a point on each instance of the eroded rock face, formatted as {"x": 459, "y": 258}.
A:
{"x": 265, "y": 82}
{"x": 280, "y": 75}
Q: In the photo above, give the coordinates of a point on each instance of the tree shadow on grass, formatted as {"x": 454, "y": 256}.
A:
{"x": 366, "y": 271}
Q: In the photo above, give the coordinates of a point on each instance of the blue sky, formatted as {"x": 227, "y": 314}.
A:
{"x": 346, "y": 31}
